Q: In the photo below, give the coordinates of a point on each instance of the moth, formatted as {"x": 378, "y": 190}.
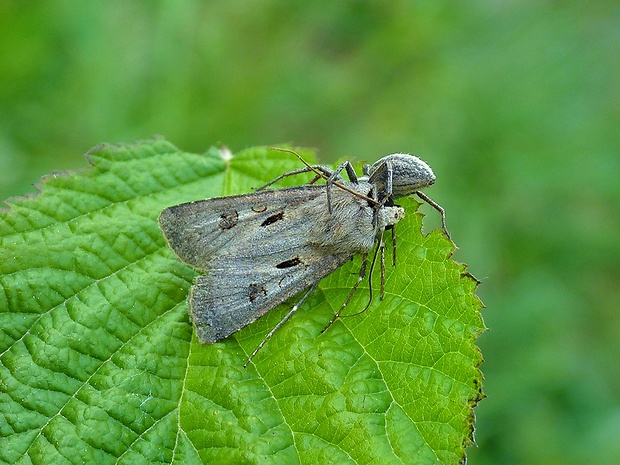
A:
{"x": 257, "y": 250}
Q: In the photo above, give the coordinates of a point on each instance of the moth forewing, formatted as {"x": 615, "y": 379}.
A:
{"x": 225, "y": 300}
{"x": 198, "y": 232}
{"x": 258, "y": 250}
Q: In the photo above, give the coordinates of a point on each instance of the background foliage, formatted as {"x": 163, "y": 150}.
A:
{"x": 514, "y": 104}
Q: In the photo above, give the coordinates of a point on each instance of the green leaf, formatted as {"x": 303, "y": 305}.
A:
{"x": 99, "y": 363}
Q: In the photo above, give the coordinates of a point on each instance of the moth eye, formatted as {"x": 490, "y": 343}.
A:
{"x": 272, "y": 219}
{"x": 289, "y": 263}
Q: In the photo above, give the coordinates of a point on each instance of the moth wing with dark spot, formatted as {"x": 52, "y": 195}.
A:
{"x": 200, "y": 231}
{"x": 237, "y": 292}
{"x": 254, "y": 251}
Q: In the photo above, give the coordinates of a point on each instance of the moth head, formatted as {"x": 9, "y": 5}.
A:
{"x": 389, "y": 216}
{"x": 409, "y": 174}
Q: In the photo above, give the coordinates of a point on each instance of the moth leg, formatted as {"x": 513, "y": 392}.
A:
{"x": 279, "y": 325}
{"x": 393, "y": 246}
{"x": 437, "y": 207}
{"x": 382, "y": 289}
{"x": 323, "y": 170}
{"x": 360, "y": 278}
{"x": 380, "y": 248}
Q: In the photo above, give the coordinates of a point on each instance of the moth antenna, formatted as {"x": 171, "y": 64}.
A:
{"x": 287, "y": 174}
{"x": 382, "y": 292}
{"x": 324, "y": 176}
{"x": 393, "y": 246}
{"x": 372, "y": 267}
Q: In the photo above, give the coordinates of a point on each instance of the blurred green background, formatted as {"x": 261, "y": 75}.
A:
{"x": 516, "y": 106}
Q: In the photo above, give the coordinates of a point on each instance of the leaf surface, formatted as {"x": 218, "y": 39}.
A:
{"x": 99, "y": 363}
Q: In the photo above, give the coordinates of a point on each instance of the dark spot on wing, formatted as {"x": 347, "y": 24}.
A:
{"x": 289, "y": 263}
{"x": 228, "y": 219}
{"x": 256, "y": 290}
{"x": 272, "y": 219}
